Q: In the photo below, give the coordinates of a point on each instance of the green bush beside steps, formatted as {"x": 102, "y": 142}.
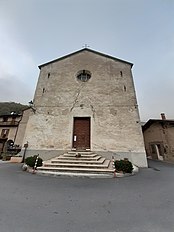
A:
{"x": 30, "y": 161}
{"x": 124, "y": 166}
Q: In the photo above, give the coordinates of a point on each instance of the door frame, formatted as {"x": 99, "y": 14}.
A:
{"x": 87, "y": 149}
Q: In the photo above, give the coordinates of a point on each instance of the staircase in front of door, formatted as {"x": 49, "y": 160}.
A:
{"x": 86, "y": 164}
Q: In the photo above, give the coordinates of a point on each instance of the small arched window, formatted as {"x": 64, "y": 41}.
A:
{"x": 83, "y": 75}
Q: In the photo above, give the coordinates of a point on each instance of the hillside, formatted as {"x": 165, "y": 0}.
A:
{"x": 8, "y": 107}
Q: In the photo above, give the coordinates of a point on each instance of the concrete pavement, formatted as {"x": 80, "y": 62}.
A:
{"x": 140, "y": 203}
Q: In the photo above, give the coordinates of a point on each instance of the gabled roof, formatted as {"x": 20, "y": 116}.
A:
{"x": 81, "y": 50}
{"x": 153, "y": 121}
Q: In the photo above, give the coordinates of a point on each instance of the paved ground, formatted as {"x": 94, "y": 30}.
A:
{"x": 141, "y": 203}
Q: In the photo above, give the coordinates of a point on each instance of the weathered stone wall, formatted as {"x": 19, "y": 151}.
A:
{"x": 22, "y": 127}
{"x": 157, "y": 133}
{"x": 108, "y": 98}
{"x": 170, "y": 135}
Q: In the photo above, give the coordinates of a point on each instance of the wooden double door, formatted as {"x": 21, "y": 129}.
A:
{"x": 81, "y": 133}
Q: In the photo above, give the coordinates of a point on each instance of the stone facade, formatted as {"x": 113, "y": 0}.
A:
{"x": 22, "y": 126}
{"x": 159, "y": 139}
{"x": 107, "y": 99}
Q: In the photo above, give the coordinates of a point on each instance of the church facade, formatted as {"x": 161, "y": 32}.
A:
{"x": 86, "y": 101}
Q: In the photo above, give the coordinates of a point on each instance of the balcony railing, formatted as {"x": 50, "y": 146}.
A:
{"x": 10, "y": 123}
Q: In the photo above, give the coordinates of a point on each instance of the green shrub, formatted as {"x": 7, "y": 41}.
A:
{"x": 123, "y": 165}
{"x": 30, "y": 161}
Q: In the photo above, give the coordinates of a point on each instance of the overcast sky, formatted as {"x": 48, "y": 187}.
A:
{"x": 33, "y": 32}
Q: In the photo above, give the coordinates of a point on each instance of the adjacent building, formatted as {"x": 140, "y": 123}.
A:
{"x": 159, "y": 138}
{"x": 12, "y": 129}
{"x": 8, "y": 130}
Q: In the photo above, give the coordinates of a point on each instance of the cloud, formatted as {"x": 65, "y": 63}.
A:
{"x": 35, "y": 32}
{"x": 17, "y": 69}
{"x": 14, "y": 59}
{"x": 13, "y": 89}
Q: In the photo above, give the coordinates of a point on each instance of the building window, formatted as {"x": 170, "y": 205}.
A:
{"x": 83, "y": 75}
{"x": 4, "y": 133}
{"x": 5, "y": 119}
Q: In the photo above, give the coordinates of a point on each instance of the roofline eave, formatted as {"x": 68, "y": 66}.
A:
{"x": 85, "y": 49}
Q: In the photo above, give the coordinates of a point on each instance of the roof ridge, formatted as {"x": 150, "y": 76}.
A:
{"x": 84, "y": 49}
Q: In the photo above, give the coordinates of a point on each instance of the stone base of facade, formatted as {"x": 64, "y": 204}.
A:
{"x": 137, "y": 158}
{"x": 16, "y": 159}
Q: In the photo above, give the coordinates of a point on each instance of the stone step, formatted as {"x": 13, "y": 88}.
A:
{"x": 77, "y": 174}
{"x": 82, "y": 152}
{"x": 78, "y": 161}
{"x": 97, "y": 157}
{"x": 88, "y": 164}
{"x": 105, "y": 164}
{"x": 76, "y": 170}
{"x": 83, "y": 155}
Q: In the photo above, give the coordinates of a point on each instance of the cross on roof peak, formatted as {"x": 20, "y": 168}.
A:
{"x": 86, "y": 46}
